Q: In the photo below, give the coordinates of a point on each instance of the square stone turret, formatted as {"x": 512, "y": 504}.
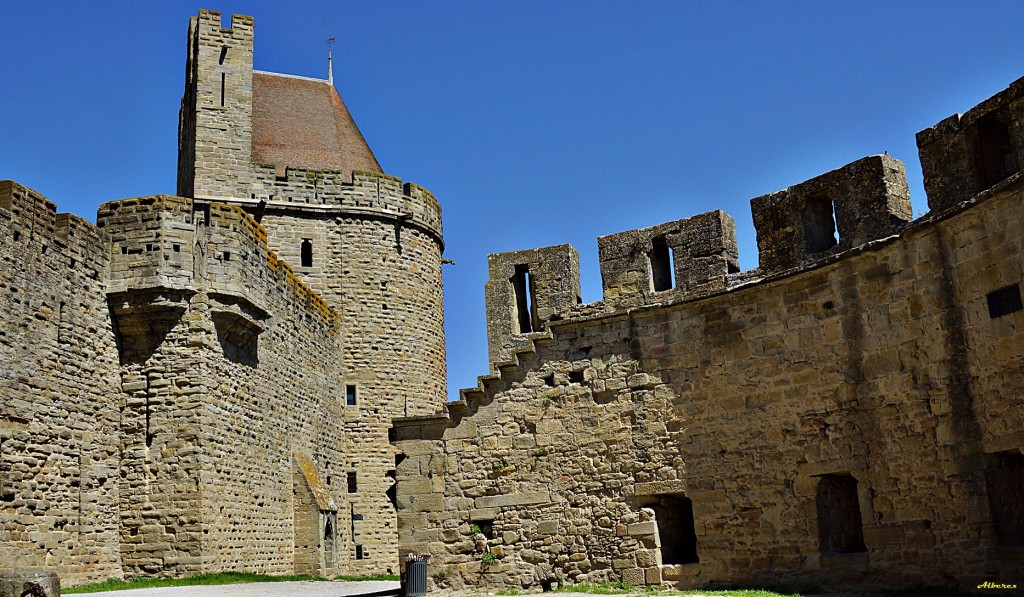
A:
{"x": 966, "y": 154}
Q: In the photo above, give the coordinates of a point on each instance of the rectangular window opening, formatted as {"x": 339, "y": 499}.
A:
{"x": 350, "y": 395}
{"x": 662, "y": 260}
{"x": 1004, "y": 301}
{"x": 820, "y": 230}
{"x": 359, "y": 552}
{"x": 307, "y": 252}
{"x": 995, "y": 151}
{"x": 839, "y": 523}
{"x": 524, "y": 289}
{"x": 223, "y": 80}
{"x": 352, "y": 487}
{"x": 674, "y": 515}
{"x": 1004, "y": 477}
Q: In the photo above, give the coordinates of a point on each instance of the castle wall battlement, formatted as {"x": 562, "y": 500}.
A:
{"x": 803, "y": 225}
{"x": 177, "y": 243}
{"x": 367, "y": 193}
{"x": 968, "y": 153}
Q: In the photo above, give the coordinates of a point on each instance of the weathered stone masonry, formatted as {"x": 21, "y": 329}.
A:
{"x": 207, "y": 382}
{"x": 847, "y": 415}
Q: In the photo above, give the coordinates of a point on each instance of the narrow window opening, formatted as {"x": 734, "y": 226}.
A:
{"x": 359, "y": 552}
{"x": 839, "y": 523}
{"x": 223, "y": 54}
{"x": 995, "y": 151}
{"x": 350, "y": 395}
{"x": 1004, "y": 476}
{"x": 820, "y": 224}
{"x": 1004, "y": 301}
{"x": 524, "y": 289}
{"x": 662, "y": 265}
{"x": 223, "y": 80}
{"x": 329, "y": 544}
{"x": 352, "y": 486}
{"x": 674, "y": 515}
{"x": 307, "y": 252}
{"x": 149, "y": 435}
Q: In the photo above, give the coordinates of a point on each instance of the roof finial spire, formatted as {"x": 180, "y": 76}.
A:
{"x": 330, "y": 71}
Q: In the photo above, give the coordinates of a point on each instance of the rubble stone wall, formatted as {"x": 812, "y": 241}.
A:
{"x": 884, "y": 365}
{"x": 59, "y": 389}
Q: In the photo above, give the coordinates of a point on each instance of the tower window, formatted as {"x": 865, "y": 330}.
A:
{"x": 350, "y": 395}
{"x": 820, "y": 224}
{"x": 523, "y": 287}
{"x": 839, "y": 523}
{"x": 662, "y": 265}
{"x": 352, "y": 482}
{"x": 307, "y": 253}
{"x": 223, "y": 81}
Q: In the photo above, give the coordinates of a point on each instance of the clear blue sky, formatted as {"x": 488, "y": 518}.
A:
{"x": 534, "y": 123}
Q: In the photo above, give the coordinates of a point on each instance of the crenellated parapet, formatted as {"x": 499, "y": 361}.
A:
{"x": 66, "y": 241}
{"x": 332, "y": 192}
{"x": 968, "y": 153}
{"x": 683, "y": 257}
{"x": 164, "y": 249}
{"x": 831, "y": 213}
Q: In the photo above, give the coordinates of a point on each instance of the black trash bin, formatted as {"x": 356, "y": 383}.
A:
{"x": 416, "y": 576}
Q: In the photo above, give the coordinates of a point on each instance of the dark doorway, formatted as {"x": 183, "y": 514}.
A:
{"x": 1004, "y": 475}
{"x": 839, "y": 523}
{"x": 674, "y": 514}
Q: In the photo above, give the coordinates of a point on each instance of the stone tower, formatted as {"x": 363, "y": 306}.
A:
{"x": 286, "y": 149}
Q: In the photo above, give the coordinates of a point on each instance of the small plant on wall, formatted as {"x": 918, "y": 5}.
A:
{"x": 488, "y": 557}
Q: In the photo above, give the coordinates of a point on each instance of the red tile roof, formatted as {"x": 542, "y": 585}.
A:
{"x": 303, "y": 123}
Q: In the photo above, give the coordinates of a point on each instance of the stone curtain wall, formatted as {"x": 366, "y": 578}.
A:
{"x": 58, "y": 393}
{"x": 885, "y": 366}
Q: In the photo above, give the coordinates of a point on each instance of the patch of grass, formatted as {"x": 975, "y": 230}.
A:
{"x": 739, "y": 593}
{"x": 219, "y": 578}
{"x": 605, "y": 588}
{"x": 622, "y": 588}
{"x": 508, "y": 591}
